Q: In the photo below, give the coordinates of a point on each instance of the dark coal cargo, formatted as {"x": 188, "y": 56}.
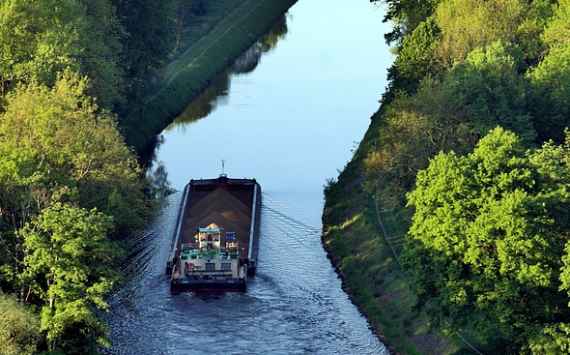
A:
{"x": 215, "y": 242}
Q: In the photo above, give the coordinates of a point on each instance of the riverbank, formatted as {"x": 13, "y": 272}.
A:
{"x": 363, "y": 241}
{"x": 225, "y": 35}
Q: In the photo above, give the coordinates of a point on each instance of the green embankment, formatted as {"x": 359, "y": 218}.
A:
{"x": 236, "y": 29}
{"x": 364, "y": 247}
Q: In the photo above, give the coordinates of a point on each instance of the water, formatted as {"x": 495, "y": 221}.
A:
{"x": 290, "y": 119}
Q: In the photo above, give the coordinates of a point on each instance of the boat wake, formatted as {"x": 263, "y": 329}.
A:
{"x": 294, "y": 304}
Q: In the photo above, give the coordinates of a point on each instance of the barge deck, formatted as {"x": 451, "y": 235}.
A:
{"x": 215, "y": 242}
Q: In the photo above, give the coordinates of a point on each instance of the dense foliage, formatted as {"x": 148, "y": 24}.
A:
{"x": 19, "y": 334}
{"x": 490, "y": 230}
{"x": 69, "y": 186}
{"x": 469, "y": 148}
{"x": 115, "y": 43}
{"x": 70, "y": 189}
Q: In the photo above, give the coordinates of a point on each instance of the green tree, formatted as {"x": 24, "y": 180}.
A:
{"x": 149, "y": 40}
{"x": 15, "y": 48}
{"x": 19, "y": 329}
{"x": 406, "y": 15}
{"x": 468, "y": 24}
{"x": 548, "y": 95}
{"x": 69, "y": 263}
{"x": 38, "y": 39}
{"x": 484, "y": 91}
{"x": 406, "y": 139}
{"x": 100, "y": 40}
{"x": 488, "y": 240}
{"x": 415, "y": 59}
{"x": 55, "y": 146}
{"x": 536, "y": 16}
{"x": 551, "y": 340}
{"x": 558, "y": 25}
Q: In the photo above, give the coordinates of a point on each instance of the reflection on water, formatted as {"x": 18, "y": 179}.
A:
{"x": 217, "y": 93}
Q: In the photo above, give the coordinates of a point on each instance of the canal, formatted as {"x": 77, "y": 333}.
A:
{"x": 290, "y": 114}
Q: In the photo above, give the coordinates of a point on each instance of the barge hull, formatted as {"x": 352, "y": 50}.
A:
{"x": 208, "y": 286}
{"x": 216, "y": 239}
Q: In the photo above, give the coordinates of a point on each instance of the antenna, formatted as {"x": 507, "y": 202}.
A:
{"x": 223, "y": 163}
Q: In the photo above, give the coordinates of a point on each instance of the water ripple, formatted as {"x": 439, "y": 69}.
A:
{"x": 294, "y": 305}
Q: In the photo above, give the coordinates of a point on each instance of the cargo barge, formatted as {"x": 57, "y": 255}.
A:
{"x": 215, "y": 242}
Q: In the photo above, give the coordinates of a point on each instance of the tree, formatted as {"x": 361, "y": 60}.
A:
{"x": 478, "y": 94}
{"x": 149, "y": 40}
{"x": 415, "y": 59}
{"x": 100, "y": 40}
{"x": 486, "y": 90}
{"x": 406, "y": 15}
{"x": 558, "y": 25}
{"x": 14, "y": 46}
{"x": 68, "y": 265}
{"x": 536, "y": 16}
{"x": 488, "y": 239}
{"x": 19, "y": 329}
{"x": 38, "y": 39}
{"x": 548, "y": 94}
{"x": 56, "y": 146}
{"x": 413, "y": 35}
{"x": 468, "y": 24}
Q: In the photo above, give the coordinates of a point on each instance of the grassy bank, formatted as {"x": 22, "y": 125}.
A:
{"x": 364, "y": 241}
{"x": 207, "y": 48}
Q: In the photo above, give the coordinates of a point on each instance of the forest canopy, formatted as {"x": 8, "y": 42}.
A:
{"x": 115, "y": 43}
{"x": 71, "y": 190}
{"x": 490, "y": 228}
{"x": 470, "y": 148}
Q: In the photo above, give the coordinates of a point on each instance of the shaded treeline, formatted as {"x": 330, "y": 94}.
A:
{"x": 468, "y": 154}
{"x": 216, "y": 93}
{"x": 117, "y": 44}
{"x": 193, "y": 72}
{"x": 71, "y": 190}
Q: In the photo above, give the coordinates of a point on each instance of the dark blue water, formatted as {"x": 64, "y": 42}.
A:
{"x": 291, "y": 123}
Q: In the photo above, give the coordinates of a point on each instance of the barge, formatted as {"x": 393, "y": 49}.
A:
{"x": 215, "y": 241}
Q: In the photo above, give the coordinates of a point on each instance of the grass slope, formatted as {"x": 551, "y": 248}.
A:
{"x": 363, "y": 241}
{"x": 207, "y": 47}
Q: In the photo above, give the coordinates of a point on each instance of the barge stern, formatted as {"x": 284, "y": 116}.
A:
{"x": 215, "y": 242}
